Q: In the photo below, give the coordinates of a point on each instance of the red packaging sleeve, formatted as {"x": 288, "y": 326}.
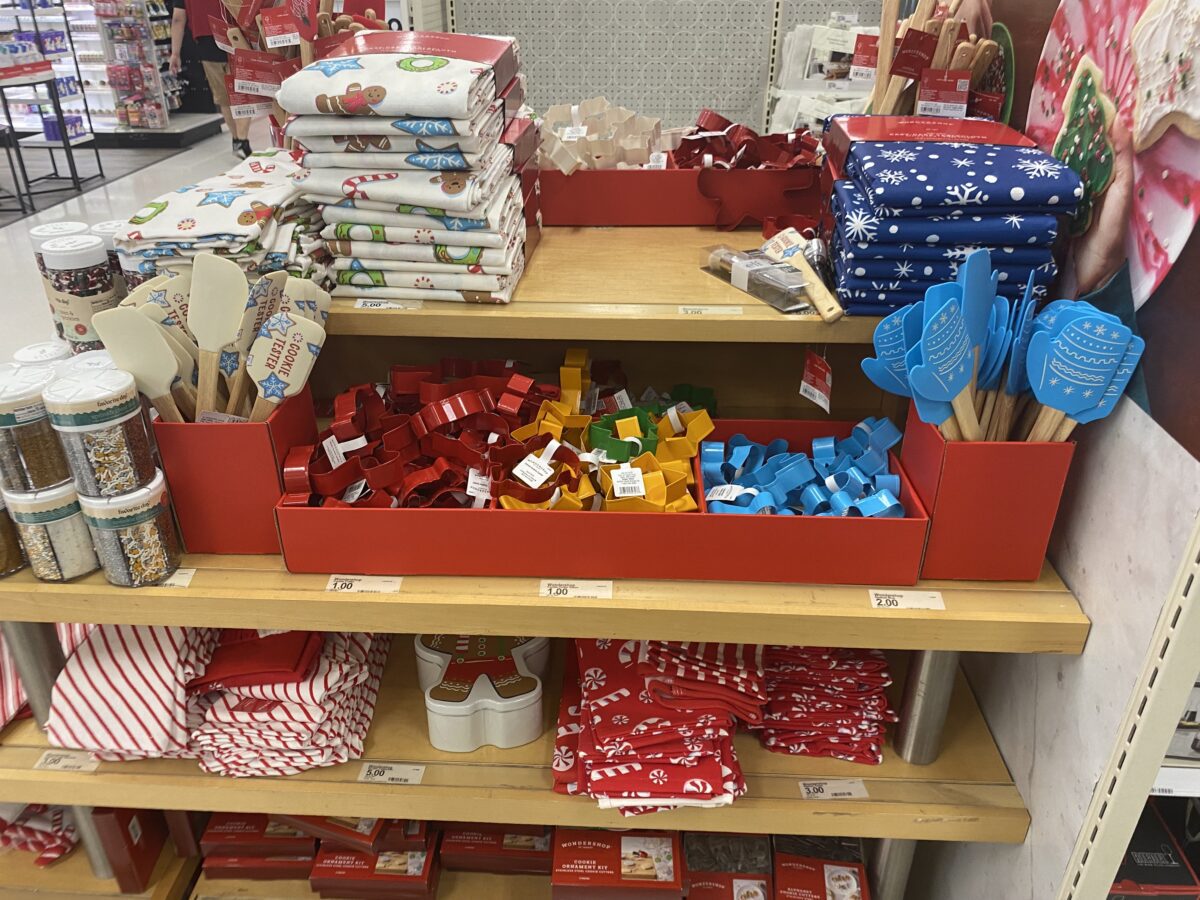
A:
{"x": 845, "y": 130}
{"x": 358, "y": 834}
{"x": 133, "y": 840}
{"x": 648, "y": 861}
{"x": 258, "y": 868}
{"x": 497, "y": 52}
{"x": 253, "y": 834}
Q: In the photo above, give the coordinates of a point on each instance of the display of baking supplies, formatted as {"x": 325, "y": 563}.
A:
{"x": 979, "y": 286}
{"x": 281, "y": 359}
{"x": 134, "y": 535}
{"x": 42, "y": 353}
{"x": 1016, "y": 378}
{"x": 98, "y": 417}
{"x": 935, "y": 412}
{"x": 481, "y": 689}
{"x": 105, "y": 231}
{"x": 262, "y": 303}
{"x": 53, "y": 533}
{"x": 139, "y": 347}
{"x": 81, "y": 285}
{"x": 12, "y": 556}
{"x": 31, "y": 457}
{"x": 214, "y": 316}
{"x": 38, "y": 235}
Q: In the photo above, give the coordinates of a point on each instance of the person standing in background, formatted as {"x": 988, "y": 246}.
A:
{"x": 194, "y": 14}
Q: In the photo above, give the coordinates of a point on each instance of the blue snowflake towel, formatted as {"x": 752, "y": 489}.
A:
{"x": 852, "y": 251}
{"x": 906, "y": 180}
{"x": 858, "y": 220}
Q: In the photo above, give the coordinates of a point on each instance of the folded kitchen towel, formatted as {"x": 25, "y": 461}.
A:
{"x": 503, "y": 295}
{"x": 350, "y": 271}
{"x": 431, "y": 253}
{"x": 330, "y": 133}
{"x": 854, "y": 251}
{"x": 349, "y": 231}
{"x": 426, "y": 158}
{"x": 499, "y": 208}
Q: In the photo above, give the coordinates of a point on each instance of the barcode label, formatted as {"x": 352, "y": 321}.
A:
{"x": 66, "y": 761}
{"x": 906, "y": 599}
{"x": 390, "y": 773}
{"x": 834, "y": 789}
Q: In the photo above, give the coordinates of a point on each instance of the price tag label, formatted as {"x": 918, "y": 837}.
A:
{"x": 817, "y": 382}
{"x": 212, "y": 417}
{"x": 390, "y": 773}
{"x": 658, "y": 160}
{"x": 834, "y": 789}
{"x": 533, "y": 471}
{"x": 479, "y": 485}
{"x": 866, "y": 58}
{"x": 710, "y": 310}
{"x": 180, "y": 578}
{"x": 279, "y": 28}
{"x": 66, "y": 761}
{"x": 727, "y": 492}
{"x": 355, "y": 491}
{"x": 334, "y": 451}
{"x": 363, "y": 303}
{"x": 572, "y": 133}
{"x": 588, "y": 590}
{"x": 944, "y": 93}
{"x": 245, "y": 106}
{"x": 906, "y": 599}
{"x": 255, "y": 72}
{"x": 220, "y": 33}
{"x": 364, "y": 584}
{"x": 628, "y": 482}
{"x": 621, "y": 398}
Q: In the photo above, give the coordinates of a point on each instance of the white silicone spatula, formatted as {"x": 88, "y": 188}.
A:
{"x": 263, "y": 302}
{"x": 281, "y": 360}
{"x": 214, "y": 315}
{"x": 172, "y": 326}
{"x": 137, "y": 345}
{"x": 186, "y": 356}
{"x": 305, "y": 299}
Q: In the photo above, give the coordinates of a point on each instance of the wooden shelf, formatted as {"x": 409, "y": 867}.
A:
{"x": 967, "y": 795}
{"x": 71, "y": 878}
{"x": 452, "y": 886}
{"x": 257, "y": 592}
{"x": 625, "y": 284}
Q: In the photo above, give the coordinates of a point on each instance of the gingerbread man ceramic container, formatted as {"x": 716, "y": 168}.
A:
{"x": 481, "y": 689}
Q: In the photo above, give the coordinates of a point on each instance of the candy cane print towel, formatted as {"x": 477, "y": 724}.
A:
{"x": 424, "y": 157}
{"x": 390, "y": 84}
{"x": 363, "y": 276}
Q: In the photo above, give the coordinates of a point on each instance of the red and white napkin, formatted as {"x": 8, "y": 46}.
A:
{"x": 48, "y": 831}
{"x": 12, "y": 694}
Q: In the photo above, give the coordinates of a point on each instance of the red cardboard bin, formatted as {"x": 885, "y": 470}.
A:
{"x": 689, "y": 546}
{"x": 991, "y": 504}
{"x": 225, "y": 479}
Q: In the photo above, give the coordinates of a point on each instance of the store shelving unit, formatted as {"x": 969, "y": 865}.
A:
{"x": 127, "y": 36}
{"x": 71, "y": 879}
{"x": 452, "y": 886}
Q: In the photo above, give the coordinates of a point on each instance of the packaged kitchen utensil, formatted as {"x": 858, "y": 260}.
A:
{"x": 135, "y": 534}
{"x": 778, "y": 284}
{"x": 81, "y": 285}
{"x": 56, "y": 539}
{"x": 31, "y": 457}
{"x": 728, "y": 866}
{"x": 467, "y": 849}
{"x": 98, "y": 417}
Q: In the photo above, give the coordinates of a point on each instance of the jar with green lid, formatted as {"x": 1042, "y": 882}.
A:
{"x": 31, "y": 457}
{"x": 42, "y": 353}
{"x": 53, "y": 532}
{"x": 12, "y": 557}
{"x": 135, "y": 535}
{"x": 98, "y": 417}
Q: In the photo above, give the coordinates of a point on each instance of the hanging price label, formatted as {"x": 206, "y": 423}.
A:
{"x": 66, "y": 761}
{"x": 364, "y": 584}
{"x": 180, "y": 578}
{"x": 279, "y": 28}
{"x": 354, "y": 491}
{"x": 533, "y": 471}
{"x": 906, "y": 599}
{"x": 390, "y": 773}
{"x": 628, "y": 482}
{"x": 834, "y": 789}
{"x": 817, "y": 383}
{"x": 589, "y": 590}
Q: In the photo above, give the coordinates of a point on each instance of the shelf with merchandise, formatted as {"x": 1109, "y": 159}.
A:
{"x": 72, "y": 878}
{"x": 451, "y": 886}
{"x": 966, "y": 795}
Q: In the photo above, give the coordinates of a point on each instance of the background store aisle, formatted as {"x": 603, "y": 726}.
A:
{"x": 23, "y": 304}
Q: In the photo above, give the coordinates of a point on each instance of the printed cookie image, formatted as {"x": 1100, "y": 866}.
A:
{"x": 638, "y": 864}
{"x": 452, "y": 182}
{"x": 357, "y": 101}
{"x": 475, "y": 657}
{"x": 258, "y": 212}
{"x": 1083, "y": 142}
{"x": 1165, "y": 44}
{"x": 361, "y": 143}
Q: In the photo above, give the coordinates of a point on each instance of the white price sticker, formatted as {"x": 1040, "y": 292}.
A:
{"x": 250, "y": 110}
{"x": 862, "y": 73}
{"x": 906, "y": 599}
{"x": 533, "y": 471}
{"x": 180, "y": 578}
{"x": 588, "y": 590}
{"x": 710, "y": 310}
{"x": 287, "y": 39}
{"x": 479, "y": 485}
{"x": 364, "y": 584}
{"x": 628, "y": 482}
{"x": 727, "y": 492}
{"x": 334, "y": 451}
{"x": 390, "y": 773}
{"x": 355, "y": 491}
{"x": 572, "y": 133}
{"x": 362, "y": 303}
{"x": 212, "y": 417}
{"x": 66, "y": 761}
{"x": 621, "y": 398}
{"x": 834, "y": 789}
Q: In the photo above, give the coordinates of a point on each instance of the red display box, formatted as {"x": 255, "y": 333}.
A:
{"x": 253, "y": 834}
{"x": 469, "y": 850}
{"x": 991, "y": 504}
{"x": 258, "y": 868}
{"x": 225, "y": 479}
{"x": 133, "y": 840}
{"x": 810, "y": 878}
{"x": 687, "y": 546}
{"x": 608, "y": 865}
{"x": 721, "y": 197}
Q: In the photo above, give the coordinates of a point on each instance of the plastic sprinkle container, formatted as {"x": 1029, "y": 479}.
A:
{"x": 42, "y": 353}
{"x": 81, "y": 285}
{"x": 31, "y": 457}
{"x": 53, "y": 532}
{"x": 38, "y": 235}
{"x": 89, "y": 361}
{"x": 12, "y": 557}
{"x": 135, "y": 535}
{"x": 105, "y": 231}
{"x": 98, "y": 417}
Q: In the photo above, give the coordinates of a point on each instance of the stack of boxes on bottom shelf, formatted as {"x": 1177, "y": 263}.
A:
{"x": 426, "y": 178}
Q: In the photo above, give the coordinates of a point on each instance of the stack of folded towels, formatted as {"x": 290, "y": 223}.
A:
{"x": 253, "y": 215}
{"x": 908, "y": 213}
{"x": 404, "y": 154}
{"x": 826, "y": 702}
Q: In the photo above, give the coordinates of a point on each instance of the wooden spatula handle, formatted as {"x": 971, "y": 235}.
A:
{"x": 964, "y": 412}
{"x": 949, "y": 430}
{"x": 237, "y": 391}
{"x": 262, "y": 409}
{"x": 210, "y": 374}
{"x": 167, "y": 410}
{"x": 185, "y": 399}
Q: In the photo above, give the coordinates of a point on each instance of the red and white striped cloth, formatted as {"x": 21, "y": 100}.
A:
{"x": 123, "y": 693}
{"x": 12, "y": 694}
{"x": 48, "y": 831}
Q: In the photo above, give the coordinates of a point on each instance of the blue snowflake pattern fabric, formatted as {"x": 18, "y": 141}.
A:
{"x": 1001, "y": 256}
{"x": 908, "y": 180}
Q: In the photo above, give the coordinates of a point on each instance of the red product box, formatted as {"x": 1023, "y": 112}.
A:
{"x": 498, "y": 52}
{"x": 225, "y": 479}
{"x": 991, "y": 504}
{"x": 691, "y": 546}
{"x": 524, "y": 137}
{"x": 133, "y": 840}
{"x": 405, "y": 834}
{"x": 354, "y": 873}
{"x": 728, "y": 886}
{"x": 341, "y": 831}
{"x": 468, "y": 850}
{"x": 513, "y": 96}
{"x": 727, "y": 866}
{"x": 812, "y": 878}
{"x": 1154, "y": 865}
{"x": 185, "y": 828}
{"x": 258, "y": 868}
{"x": 489, "y": 827}
{"x": 607, "y": 865}
{"x": 254, "y": 834}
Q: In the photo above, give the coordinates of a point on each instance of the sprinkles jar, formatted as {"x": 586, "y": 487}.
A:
{"x": 81, "y": 285}
{"x": 56, "y": 539}
{"x": 89, "y": 361}
{"x": 12, "y": 557}
{"x": 98, "y": 417}
{"x": 38, "y": 235}
{"x": 42, "y": 353}
{"x": 31, "y": 457}
{"x": 135, "y": 535}
{"x": 105, "y": 231}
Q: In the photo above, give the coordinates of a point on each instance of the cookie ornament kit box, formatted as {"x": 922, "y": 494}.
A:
{"x": 389, "y": 874}
{"x": 503, "y": 852}
{"x": 611, "y": 865}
